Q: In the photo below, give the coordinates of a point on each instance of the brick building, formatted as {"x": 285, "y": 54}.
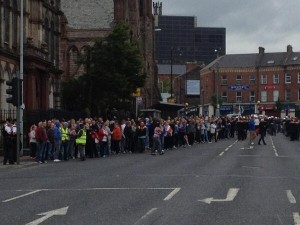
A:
{"x": 41, "y": 39}
{"x": 253, "y": 83}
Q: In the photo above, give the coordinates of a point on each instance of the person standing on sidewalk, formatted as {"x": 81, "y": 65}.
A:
{"x": 7, "y": 143}
{"x": 251, "y": 128}
{"x": 81, "y": 141}
{"x": 262, "y": 131}
{"x": 32, "y": 141}
{"x": 41, "y": 138}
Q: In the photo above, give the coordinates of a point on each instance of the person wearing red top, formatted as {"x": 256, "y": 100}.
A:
{"x": 103, "y": 139}
{"x": 41, "y": 139}
{"x": 116, "y": 137}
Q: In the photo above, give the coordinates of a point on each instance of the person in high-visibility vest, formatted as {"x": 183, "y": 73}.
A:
{"x": 81, "y": 141}
{"x": 64, "y": 141}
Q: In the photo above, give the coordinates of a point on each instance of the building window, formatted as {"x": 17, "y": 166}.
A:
{"x": 224, "y": 96}
{"x": 264, "y": 79}
{"x": 224, "y": 80}
{"x": 288, "y": 78}
{"x": 238, "y": 96}
{"x": 298, "y": 77}
{"x": 252, "y": 96}
{"x": 287, "y": 94}
{"x": 298, "y": 95}
{"x": 252, "y": 79}
{"x": 275, "y": 78}
{"x": 275, "y": 95}
{"x": 263, "y": 96}
{"x": 238, "y": 79}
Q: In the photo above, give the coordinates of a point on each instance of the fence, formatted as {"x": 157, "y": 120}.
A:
{"x": 34, "y": 116}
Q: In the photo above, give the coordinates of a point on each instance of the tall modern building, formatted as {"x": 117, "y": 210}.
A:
{"x": 179, "y": 42}
{"x": 188, "y": 43}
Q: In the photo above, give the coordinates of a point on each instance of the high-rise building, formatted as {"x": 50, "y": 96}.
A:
{"x": 178, "y": 41}
{"x": 193, "y": 44}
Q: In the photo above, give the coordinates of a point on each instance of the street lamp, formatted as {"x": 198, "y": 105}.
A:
{"x": 217, "y": 85}
{"x": 171, "y": 74}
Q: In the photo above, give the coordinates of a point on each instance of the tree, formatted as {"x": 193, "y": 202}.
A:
{"x": 113, "y": 71}
{"x": 279, "y": 105}
{"x": 214, "y": 101}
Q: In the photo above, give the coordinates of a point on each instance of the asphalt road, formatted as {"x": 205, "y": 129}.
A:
{"x": 223, "y": 183}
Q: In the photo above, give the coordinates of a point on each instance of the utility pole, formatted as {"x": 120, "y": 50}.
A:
{"x": 20, "y": 83}
{"x": 217, "y": 84}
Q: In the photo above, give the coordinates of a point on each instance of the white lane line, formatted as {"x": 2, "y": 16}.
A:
{"x": 274, "y": 148}
{"x": 296, "y": 218}
{"x": 291, "y": 197}
{"x": 96, "y": 189}
{"x": 227, "y": 149}
{"x": 250, "y": 167}
{"x": 21, "y": 196}
{"x": 151, "y": 211}
{"x": 171, "y": 195}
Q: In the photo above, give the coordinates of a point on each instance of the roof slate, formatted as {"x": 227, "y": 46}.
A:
{"x": 256, "y": 60}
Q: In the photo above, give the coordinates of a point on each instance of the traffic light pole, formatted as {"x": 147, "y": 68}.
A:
{"x": 20, "y": 83}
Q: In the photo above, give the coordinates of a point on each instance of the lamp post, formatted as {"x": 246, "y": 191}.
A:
{"x": 171, "y": 78}
{"x": 217, "y": 85}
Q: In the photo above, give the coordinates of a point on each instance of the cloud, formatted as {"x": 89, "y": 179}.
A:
{"x": 272, "y": 24}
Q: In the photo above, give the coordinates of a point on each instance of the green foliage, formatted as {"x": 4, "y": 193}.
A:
{"x": 279, "y": 105}
{"x": 114, "y": 71}
{"x": 213, "y": 100}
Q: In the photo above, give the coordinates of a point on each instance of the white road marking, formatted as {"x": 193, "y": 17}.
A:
{"x": 95, "y": 189}
{"x": 171, "y": 195}
{"x": 296, "y": 218}
{"x": 230, "y": 146}
{"x": 21, "y": 196}
{"x": 274, "y": 148}
{"x": 251, "y": 167}
{"x": 47, "y": 215}
{"x": 151, "y": 211}
{"x": 291, "y": 197}
{"x": 232, "y": 192}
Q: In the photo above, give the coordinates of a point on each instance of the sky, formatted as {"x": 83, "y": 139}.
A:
{"x": 272, "y": 24}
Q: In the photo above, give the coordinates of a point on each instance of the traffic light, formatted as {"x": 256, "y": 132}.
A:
{"x": 14, "y": 86}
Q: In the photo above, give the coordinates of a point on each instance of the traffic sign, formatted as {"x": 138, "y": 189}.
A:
{"x": 238, "y": 88}
{"x": 137, "y": 93}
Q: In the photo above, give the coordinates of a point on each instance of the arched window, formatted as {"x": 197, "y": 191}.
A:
{"x": 46, "y": 31}
{"x": 52, "y": 42}
{"x": 6, "y": 19}
{"x": 15, "y": 24}
{"x": 73, "y": 61}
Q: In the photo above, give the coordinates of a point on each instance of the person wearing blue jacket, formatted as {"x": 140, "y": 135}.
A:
{"x": 57, "y": 141}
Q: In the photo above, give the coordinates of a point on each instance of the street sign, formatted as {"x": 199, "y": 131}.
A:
{"x": 137, "y": 93}
{"x": 171, "y": 100}
{"x": 238, "y": 88}
{"x": 270, "y": 87}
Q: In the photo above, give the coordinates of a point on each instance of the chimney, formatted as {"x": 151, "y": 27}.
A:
{"x": 261, "y": 50}
{"x": 289, "y": 49}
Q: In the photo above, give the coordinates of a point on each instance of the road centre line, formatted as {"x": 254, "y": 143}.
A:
{"x": 151, "y": 211}
{"x": 291, "y": 197}
{"x": 95, "y": 189}
{"x": 274, "y": 148}
{"x": 230, "y": 146}
{"x": 171, "y": 195}
{"x": 21, "y": 196}
{"x": 296, "y": 218}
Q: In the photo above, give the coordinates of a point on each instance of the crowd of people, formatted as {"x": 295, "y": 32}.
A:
{"x": 95, "y": 137}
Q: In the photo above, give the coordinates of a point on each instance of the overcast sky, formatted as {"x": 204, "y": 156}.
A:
{"x": 272, "y": 24}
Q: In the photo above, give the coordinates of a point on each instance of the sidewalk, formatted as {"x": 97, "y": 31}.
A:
{"x": 25, "y": 161}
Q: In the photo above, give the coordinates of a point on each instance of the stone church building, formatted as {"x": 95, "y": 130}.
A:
{"x": 56, "y": 32}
